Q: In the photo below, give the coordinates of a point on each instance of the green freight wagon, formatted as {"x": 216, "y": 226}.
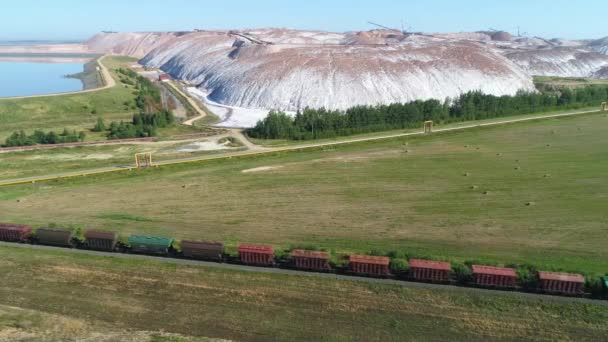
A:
{"x": 150, "y": 244}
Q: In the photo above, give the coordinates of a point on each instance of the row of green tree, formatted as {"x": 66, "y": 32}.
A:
{"x": 39, "y": 137}
{"x": 141, "y": 126}
{"x": 147, "y": 97}
{"x": 475, "y": 105}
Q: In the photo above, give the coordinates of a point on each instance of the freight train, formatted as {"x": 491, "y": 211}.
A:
{"x": 502, "y": 278}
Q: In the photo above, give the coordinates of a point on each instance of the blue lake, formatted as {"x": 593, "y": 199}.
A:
{"x": 26, "y": 78}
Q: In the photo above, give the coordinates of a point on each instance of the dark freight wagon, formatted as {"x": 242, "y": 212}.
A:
{"x": 491, "y": 276}
{"x": 100, "y": 240}
{"x": 426, "y": 270}
{"x": 261, "y": 255}
{"x": 310, "y": 260}
{"x": 150, "y": 244}
{"x": 369, "y": 265}
{"x": 14, "y": 232}
{"x": 55, "y": 237}
{"x": 562, "y": 283}
{"x": 203, "y": 250}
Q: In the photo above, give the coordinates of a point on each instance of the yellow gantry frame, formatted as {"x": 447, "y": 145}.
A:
{"x": 428, "y": 127}
{"x": 143, "y": 160}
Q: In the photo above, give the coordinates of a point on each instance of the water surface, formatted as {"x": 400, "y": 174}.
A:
{"x": 27, "y": 78}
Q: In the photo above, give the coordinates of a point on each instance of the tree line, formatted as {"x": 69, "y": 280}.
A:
{"x": 141, "y": 126}
{"x": 39, "y": 137}
{"x": 151, "y": 114}
{"x": 475, "y": 105}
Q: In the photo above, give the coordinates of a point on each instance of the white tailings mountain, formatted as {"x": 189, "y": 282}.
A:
{"x": 290, "y": 70}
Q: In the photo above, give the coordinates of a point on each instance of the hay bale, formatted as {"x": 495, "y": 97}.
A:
{"x": 466, "y": 174}
{"x": 486, "y": 192}
{"x": 547, "y": 175}
{"x": 517, "y": 168}
{"x": 474, "y": 187}
{"x": 530, "y": 204}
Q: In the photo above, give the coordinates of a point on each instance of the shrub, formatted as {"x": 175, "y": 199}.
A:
{"x": 463, "y": 273}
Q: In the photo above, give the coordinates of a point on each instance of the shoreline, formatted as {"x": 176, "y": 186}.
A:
{"x": 105, "y": 81}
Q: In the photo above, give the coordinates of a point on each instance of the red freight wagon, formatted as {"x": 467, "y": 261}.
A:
{"x": 369, "y": 265}
{"x": 256, "y": 254}
{"x": 311, "y": 260}
{"x": 564, "y": 283}
{"x": 495, "y": 276}
{"x": 427, "y": 270}
{"x": 14, "y": 232}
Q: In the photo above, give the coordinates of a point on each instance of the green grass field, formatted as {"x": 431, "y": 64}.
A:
{"x": 74, "y": 111}
{"x": 117, "y": 295}
{"x": 44, "y": 162}
{"x": 530, "y": 192}
{"x": 571, "y": 82}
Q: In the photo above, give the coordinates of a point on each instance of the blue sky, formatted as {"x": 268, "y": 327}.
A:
{"x": 79, "y": 19}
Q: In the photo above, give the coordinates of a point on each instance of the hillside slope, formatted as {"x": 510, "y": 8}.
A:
{"x": 290, "y": 70}
{"x": 320, "y": 69}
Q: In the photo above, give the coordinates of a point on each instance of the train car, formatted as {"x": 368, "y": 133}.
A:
{"x": 562, "y": 283}
{"x": 259, "y": 255}
{"x": 100, "y": 240}
{"x": 14, "y": 232}
{"x": 427, "y": 270}
{"x": 150, "y": 244}
{"x": 310, "y": 260}
{"x": 499, "y": 277}
{"x": 365, "y": 265}
{"x": 55, "y": 237}
{"x": 203, "y": 250}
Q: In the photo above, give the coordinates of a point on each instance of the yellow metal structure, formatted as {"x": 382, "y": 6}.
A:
{"x": 143, "y": 160}
{"x": 428, "y": 127}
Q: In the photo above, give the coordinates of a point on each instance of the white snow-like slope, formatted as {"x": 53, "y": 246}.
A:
{"x": 560, "y": 61}
{"x": 246, "y": 73}
{"x": 600, "y": 45}
{"x": 312, "y": 70}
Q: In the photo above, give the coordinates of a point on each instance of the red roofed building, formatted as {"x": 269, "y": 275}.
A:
{"x": 427, "y": 270}
{"x": 256, "y": 254}
{"x": 311, "y": 260}
{"x": 369, "y": 265}
{"x": 164, "y": 78}
{"x": 565, "y": 283}
{"x": 495, "y": 276}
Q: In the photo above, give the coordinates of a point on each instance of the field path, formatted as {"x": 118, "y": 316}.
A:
{"x": 108, "y": 81}
{"x": 244, "y": 268}
{"x": 258, "y": 150}
{"x": 201, "y": 112}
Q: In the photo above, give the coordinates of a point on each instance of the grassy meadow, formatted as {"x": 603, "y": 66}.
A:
{"x": 121, "y": 297}
{"x": 530, "y": 192}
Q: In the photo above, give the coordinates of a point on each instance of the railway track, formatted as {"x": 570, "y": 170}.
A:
{"x": 339, "y": 277}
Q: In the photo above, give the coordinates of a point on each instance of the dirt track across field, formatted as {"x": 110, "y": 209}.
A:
{"x": 257, "y": 150}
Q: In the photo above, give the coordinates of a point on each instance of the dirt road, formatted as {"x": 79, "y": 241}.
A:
{"x": 258, "y": 150}
{"x": 201, "y": 112}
